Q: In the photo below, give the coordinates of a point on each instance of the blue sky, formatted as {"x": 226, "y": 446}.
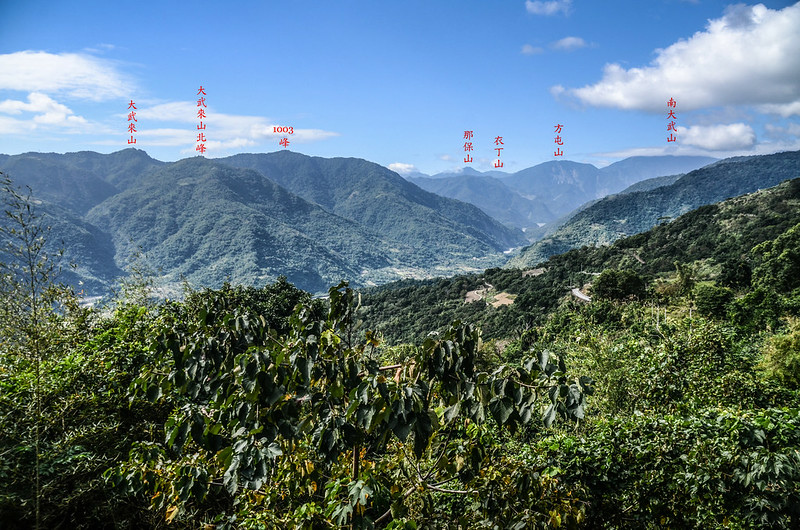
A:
{"x": 398, "y": 83}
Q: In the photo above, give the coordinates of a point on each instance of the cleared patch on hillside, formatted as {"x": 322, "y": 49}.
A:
{"x": 503, "y": 298}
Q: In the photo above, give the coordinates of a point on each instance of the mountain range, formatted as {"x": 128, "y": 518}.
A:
{"x": 249, "y": 218}
{"x": 542, "y": 194}
{"x": 315, "y": 220}
{"x": 649, "y": 203}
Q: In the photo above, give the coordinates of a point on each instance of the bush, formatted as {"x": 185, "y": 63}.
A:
{"x": 615, "y": 284}
{"x": 712, "y": 301}
{"x": 735, "y": 274}
{"x": 756, "y": 311}
{"x": 782, "y": 356}
{"x": 724, "y": 468}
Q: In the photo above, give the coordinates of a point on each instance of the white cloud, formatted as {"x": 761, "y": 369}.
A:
{"x": 786, "y": 110}
{"x": 548, "y": 7}
{"x": 569, "y": 43}
{"x": 216, "y": 148}
{"x": 224, "y": 131}
{"x": 165, "y": 136}
{"x": 77, "y": 75}
{"x": 402, "y": 168}
{"x": 299, "y": 135}
{"x": 181, "y": 111}
{"x": 749, "y": 56}
{"x": 734, "y": 136}
{"x": 47, "y": 111}
{"x": 527, "y": 49}
{"x": 15, "y": 126}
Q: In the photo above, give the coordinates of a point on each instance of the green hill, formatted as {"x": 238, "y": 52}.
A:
{"x": 630, "y": 213}
{"x": 211, "y": 221}
{"x": 208, "y": 223}
{"x": 78, "y": 181}
{"x": 719, "y": 235}
{"x": 383, "y": 201}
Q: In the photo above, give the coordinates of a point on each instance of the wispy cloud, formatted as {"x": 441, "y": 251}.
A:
{"x": 785, "y": 110}
{"x": 749, "y": 56}
{"x": 776, "y": 131}
{"x": 402, "y": 168}
{"x": 569, "y": 43}
{"x": 537, "y": 7}
{"x": 76, "y": 75}
{"x": 528, "y": 49}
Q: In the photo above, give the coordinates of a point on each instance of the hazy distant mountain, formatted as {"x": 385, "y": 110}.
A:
{"x": 625, "y": 214}
{"x": 466, "y": 170}
{"x": 562, "y": 185}
{"x": 624, "y": 173}
{"x": 552, "y": 192}
{"x": 490, "y": 195}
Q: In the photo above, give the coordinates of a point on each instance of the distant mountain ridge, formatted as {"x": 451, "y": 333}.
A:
{"x": 631, "y": 213}
{"x": 551, "y": 190}
{"x": 492, "y": 196}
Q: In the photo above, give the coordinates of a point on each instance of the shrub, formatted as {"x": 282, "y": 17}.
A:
{"x": 618, "y": 285}
{"x": 713, "y": 301}
{"x": 782, "y": 356}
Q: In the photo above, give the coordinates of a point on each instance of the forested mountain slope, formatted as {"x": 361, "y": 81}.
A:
{"x": 210, "y": 222}
{"x": 626, "y": 214}
{"x": 721, "y": 234}
{"x": 382, "y": 200}
{"x": 78, "y": 181}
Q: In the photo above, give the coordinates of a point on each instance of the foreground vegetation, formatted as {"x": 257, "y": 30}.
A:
{"x": 670, "y": 401}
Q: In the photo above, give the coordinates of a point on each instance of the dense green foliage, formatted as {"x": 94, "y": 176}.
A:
{"x": 613, "y": 284}
{"x": 252, "y": 407}
{"x": 244, "y": 407}
{"x": 782, "y": 356}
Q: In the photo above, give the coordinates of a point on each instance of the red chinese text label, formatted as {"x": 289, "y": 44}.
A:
{"x": 558, "y": 140}
{"x": 468, "y": 135}
{"x": 671, "y": 104}
{"x": 201, "y": 113}
{"x": 132, "y": 122}
{"x": 498, "y": 140}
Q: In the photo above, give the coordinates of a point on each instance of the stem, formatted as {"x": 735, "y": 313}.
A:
{"x": 356, "y": 461}
{"x": 444, "y": 490}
